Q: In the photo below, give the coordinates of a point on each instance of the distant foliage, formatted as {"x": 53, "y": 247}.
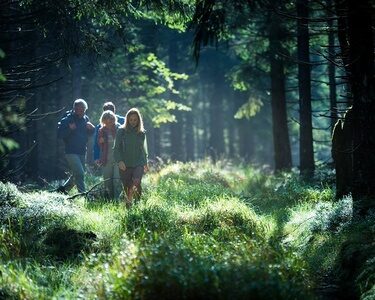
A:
{"x": 249, "y": 109}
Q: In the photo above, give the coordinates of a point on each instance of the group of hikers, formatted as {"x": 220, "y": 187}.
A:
{"x": 120, "y": 149}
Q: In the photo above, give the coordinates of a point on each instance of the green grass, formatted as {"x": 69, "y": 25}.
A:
{"x": 200, "y": 231}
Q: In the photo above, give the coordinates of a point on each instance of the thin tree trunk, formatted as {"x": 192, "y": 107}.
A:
{"x": 342, "y": 35}
{"x": 304, "y": 84}
{"x": 332, "y": 68}
{"x": 157, "y": 146}
{"x": 177, "y": 152}
{"x": 189, "y": 135}
{"x": 231, "y": 128}
{"x": 216, "y": 139}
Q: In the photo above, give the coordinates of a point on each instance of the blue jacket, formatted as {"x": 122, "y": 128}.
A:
{"x": 75, "y": 140}
{"x": 120, "y": 120}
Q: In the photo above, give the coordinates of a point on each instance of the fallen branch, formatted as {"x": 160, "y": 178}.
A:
{"x": 85, "y": 194}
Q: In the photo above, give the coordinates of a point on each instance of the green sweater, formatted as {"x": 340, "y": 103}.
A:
{"x": 131, "y": 147}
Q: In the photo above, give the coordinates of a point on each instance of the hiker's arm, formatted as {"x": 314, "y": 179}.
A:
{"x": 90, "y": 128}
{"x": 145, "y": 149}
{"x": 65, "y": 128}
{"x": 96, "y": 144}
{"x": 118, "y": 150}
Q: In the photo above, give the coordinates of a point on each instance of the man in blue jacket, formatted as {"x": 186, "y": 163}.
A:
{"x": 75, "y": 129}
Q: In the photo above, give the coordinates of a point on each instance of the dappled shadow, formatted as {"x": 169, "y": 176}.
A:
{"x": 64, "y": 243}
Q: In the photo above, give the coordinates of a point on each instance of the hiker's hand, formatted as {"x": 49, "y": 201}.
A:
{"x": 101, "y": 140}
{"x": 145, "y": 168}
{"x": 98, "y": 163}
{"x": 72, "y": 126}
{"x": 121, "y": 166}
{"x": 90, "y": 126}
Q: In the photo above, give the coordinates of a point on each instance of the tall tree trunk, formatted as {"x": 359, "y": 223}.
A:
{"x": 362, "y": 82}
{"x": 357, "y": 43}
{"x": 231, "y": 128}
{"x": 189, "y": 135}
{"x": 157, "y": 147}
{"x": 342, "y": 35}
{"x": 304, "y": 84}
{"x": 177, "y": 152}
{"x": 282, "y": 152}
{"x": 331, "y": 67}
{"x": 150, "y": 139}
{"x": 61, "y": 102}
{"x": 246, "y": 144}
{"x": 216, "y": 139}
{"x": 201, "y": 121}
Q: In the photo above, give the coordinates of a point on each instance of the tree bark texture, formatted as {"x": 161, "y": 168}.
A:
{"x": 332, "y": 68}
{"x": 177, "y": 150}
{"x": 189, "y": 136}
{"x": 360, "y": 73}
{"x": 216, "y": 139}
{"x": 281, "y": 142}
{"x": 304, "y": 84}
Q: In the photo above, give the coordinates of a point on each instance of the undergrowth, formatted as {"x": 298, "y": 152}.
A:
{"x": 200, "y": 231}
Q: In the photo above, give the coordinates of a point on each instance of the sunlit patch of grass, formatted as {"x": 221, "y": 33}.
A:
{"x": 316, "y": 231}
{"x": 200, "y": 230}
{"x": 109, "y": 276}
{"x": 151, "y": 216}
{"x": 273, "y": 193}
{"x": 175, "y": 190}
{"x": 297, "y": 229}
{"x": 309, "y": 218}
{"x": 107, "y": 220}
{"x": 224, "y": 217}
{"x": 202, "y": 171}
{"x": 30, "y": 280}
{"x": 9, "y": 195}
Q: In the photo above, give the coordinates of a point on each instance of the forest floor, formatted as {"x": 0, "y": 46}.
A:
{"x": 200, "y": 231}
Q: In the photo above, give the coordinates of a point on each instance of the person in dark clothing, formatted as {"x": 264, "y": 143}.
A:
{"x": 130, "y": 153}
{"x": 74, "y": 130}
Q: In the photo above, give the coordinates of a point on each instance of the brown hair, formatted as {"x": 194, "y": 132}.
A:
{"x": 109, "y": 106}
{"x": 134, "y": 111}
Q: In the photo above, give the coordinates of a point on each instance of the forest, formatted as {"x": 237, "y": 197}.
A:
{"x": 260, "y": 121}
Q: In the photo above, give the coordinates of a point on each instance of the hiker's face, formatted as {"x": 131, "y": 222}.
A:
{"x": 109, "y": 122}
{"x": 79, "y": 110}
{"x": 133, "y": 120}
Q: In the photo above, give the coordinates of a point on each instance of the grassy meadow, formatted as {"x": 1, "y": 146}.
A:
{"x": 200, "y": 231}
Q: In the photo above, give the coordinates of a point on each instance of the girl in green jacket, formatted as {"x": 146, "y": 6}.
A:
{"x": 130, "y": 152}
